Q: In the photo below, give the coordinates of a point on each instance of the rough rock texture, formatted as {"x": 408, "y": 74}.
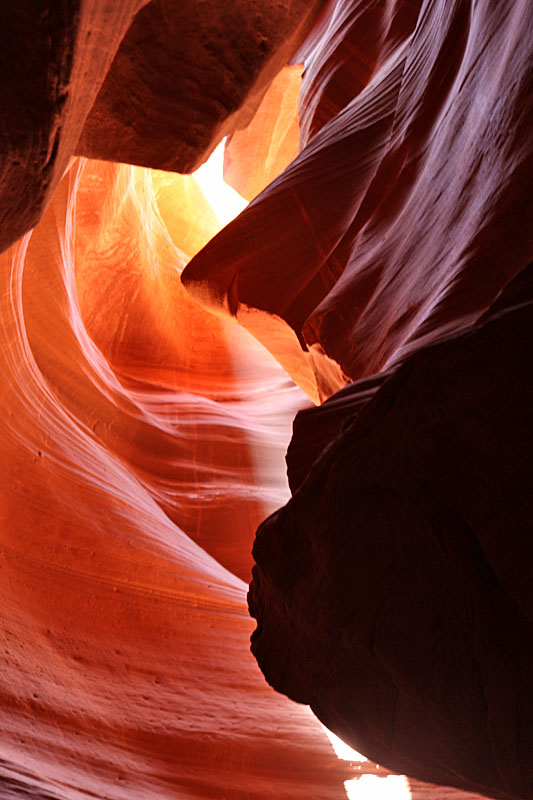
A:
{"x": 393, "y": 592}
{"x": 189, "y": 73}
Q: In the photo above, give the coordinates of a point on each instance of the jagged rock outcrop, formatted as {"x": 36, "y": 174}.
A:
{"x": 392, "y": 592}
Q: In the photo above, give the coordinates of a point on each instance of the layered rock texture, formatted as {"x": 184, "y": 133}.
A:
{"x": 387, "y": 269}
{"x": 393, "y": 592}
{"x": 407, "y": 210}
{"x": 136, "y": 463}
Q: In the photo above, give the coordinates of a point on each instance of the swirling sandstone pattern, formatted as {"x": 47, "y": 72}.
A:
{"x": 393, "y": 592}
{"x": 125, "y": 666}
{"x": 405, "y": 213}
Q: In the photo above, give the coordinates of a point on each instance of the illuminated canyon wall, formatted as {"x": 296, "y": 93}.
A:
{"x": 382, "y": 286}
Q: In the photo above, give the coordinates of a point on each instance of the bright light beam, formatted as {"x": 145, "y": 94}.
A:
{"x": 343, "y": 750}
{"x": 225, "y": 201}
{"x": 374, "y": 787}
{"x": 368, "y": 787}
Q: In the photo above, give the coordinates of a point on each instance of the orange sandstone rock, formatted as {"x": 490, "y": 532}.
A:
{"x": 124, "y": 662}
{"x": 253, "y": 157}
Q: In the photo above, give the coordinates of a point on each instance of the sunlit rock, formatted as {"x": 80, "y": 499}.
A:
{"x": 253, "y": 157}
{"x": 124, "y": 663}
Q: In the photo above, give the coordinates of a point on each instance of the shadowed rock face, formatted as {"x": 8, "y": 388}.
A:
{"x": 188, "y": 74}
{"x": 54, "y": 57}
{"x": 405, "y": 213}
{"x": 393, "y": 592}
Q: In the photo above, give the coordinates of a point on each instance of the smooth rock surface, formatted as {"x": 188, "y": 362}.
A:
{"x": 407, "y": 210}
{"x": 255, "y": 156}
{"x": 125, "y": 670}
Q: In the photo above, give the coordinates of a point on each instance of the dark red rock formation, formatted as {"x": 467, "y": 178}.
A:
{"x": 346, "y": 48}
{"x": 146, "y": 82}
{"x": 393, "y": 592}
{"x": 189, "y": 73}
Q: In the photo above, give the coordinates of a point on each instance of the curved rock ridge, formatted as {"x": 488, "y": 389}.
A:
{"x": 346, "y": 47}
{"x": 393, "y": 592}
{"x": 407, "y": 210}
{"x": 131, "y": 490}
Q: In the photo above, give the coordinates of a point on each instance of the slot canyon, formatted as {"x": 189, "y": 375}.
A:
{"x": 266, "y": 406}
